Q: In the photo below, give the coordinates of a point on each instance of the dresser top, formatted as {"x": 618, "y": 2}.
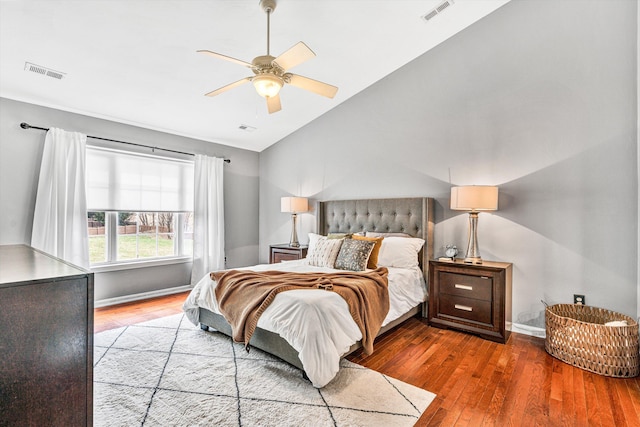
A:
{"x": 21, "y": 263}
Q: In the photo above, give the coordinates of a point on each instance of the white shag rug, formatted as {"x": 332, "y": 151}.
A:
{"x": 168, "y": 372}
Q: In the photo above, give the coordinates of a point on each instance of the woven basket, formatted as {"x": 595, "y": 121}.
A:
{"x": 576, "y": 334}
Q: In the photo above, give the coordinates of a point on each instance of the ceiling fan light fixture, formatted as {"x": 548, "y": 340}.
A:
{"x": 268, "y": 85}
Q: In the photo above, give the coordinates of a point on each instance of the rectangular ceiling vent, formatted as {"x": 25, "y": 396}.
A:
{"x": 28, "y": 66}
{"x": 438, "y": 10}
{"x": 246, "y": 128}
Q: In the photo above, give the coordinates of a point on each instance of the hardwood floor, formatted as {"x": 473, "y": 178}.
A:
{"x": 115, "y": 316}
{"x": 477, "y": 382}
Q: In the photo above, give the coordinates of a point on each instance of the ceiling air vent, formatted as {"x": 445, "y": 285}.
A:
{"x": 439, "y": 9}
{"x": 28, "y": 66}
{"x": 246, "y": 128}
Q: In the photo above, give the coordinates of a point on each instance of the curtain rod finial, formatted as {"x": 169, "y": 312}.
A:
{"x": 24, "y": 125}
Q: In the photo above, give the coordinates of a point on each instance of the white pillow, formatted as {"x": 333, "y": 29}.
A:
{"x": 399, "y": 252}
{"x": 324, "y": 253}
{"x": 313, "y": 239}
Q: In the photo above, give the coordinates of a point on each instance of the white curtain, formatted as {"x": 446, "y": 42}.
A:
{"x": 208, "y": 214}
{"x": 60, "y": 216}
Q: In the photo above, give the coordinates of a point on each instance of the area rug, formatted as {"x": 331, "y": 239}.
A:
{"x": 168, "y": 372}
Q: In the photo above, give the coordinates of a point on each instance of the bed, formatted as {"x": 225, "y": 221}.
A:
{"x": 390, "y": 218}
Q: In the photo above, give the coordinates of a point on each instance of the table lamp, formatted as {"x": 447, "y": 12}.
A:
{"x": 475, "y": 199}
{"x": 294, "y": 205}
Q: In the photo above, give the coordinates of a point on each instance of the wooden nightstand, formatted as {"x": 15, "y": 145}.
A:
{"x": 474, "y": 298}
{"x": 284, "y": 252}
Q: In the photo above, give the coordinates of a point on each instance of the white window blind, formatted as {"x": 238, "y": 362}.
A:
{"x": 131, "y": 182}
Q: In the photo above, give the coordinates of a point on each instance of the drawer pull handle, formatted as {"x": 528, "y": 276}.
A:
{"x": 465, "y": 287}
{"x": 463, "y": 307}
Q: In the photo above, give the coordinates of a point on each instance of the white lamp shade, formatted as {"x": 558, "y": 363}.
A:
{"x": 294, "y": 204}
{"x": 474, "y": 198}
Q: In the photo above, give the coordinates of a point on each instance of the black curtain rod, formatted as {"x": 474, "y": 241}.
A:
{"x": 24, "y": 125}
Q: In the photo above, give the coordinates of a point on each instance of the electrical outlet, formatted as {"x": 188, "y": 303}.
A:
{"x": 578, "y": 299}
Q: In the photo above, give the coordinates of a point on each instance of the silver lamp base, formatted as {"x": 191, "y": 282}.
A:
{"x": 473, "y": 250}
{"x": 293, "y": 242}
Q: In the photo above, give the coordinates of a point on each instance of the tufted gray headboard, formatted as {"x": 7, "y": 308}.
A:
{"x": 413, "y": 216}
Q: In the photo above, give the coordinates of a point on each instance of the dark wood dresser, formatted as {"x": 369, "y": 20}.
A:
{"x": 474, "y": 298}
{"x": 284, "y": 252}
{"x": 46, "y": 340}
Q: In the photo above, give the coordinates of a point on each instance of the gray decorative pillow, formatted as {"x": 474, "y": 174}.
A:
{"x": 354, "y": 255}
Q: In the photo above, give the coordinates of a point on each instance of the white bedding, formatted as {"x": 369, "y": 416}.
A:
{"x": 316, "y": 324}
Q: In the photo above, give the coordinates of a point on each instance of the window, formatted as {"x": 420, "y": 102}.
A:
{"x": 97, "y": 237}
{"x": 139, "y": 235}
{"x": 140, "y": 206}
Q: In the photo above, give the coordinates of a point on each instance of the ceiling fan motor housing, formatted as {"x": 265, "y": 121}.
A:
{"x": 264, "y": 64}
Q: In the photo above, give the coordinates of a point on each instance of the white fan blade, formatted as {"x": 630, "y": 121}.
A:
{"x": 296, "y": 55}
{"x": 273, "y": 104}
{"x": 311, "y": 85}
{"x": 229, "y": 86}
{"x": 225, "y": 57}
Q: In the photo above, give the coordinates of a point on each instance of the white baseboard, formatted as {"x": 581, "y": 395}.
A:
{"x": 534, "y": 331}
{"x": 144, "y": 295}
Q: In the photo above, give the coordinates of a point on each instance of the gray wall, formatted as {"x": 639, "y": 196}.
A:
{"x": 20, "y": 156}
{"x": 540, "y": 101}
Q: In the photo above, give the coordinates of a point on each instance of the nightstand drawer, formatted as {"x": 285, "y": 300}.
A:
{"x": 284, "y": 256}
{"x": 465, "y": 308}
{"x": 464, "y": 285}
{"x": 284, "y": 252}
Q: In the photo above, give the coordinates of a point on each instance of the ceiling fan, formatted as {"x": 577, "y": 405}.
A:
{"x": 271, "y": 73}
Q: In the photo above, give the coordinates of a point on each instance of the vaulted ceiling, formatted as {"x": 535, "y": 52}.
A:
{"x": 135, "y": 61}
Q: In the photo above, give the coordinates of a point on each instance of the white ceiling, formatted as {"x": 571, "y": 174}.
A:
{"x": 135, "y": 61}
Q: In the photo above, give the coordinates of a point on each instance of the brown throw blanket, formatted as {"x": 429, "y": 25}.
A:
{"x": 243, "y": 295}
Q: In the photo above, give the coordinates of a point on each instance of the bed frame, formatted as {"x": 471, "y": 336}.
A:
{"x": 412, "y": 216}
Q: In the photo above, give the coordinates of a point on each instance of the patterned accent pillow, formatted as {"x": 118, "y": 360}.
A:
{"x": 373, "y": 258}
{"x": 324, "y": 253}
{"x": 354, "y": 255}
{"x": 313, "y": 239}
